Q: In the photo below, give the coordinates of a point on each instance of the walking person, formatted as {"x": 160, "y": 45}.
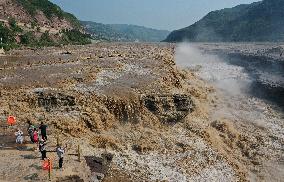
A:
{"x": 43, "y": 132}
{"x": 31, "y": 130}
{"x": 60, "y": 153}
{"x": 19, "y": 136}
{"x": 42, "y": 149}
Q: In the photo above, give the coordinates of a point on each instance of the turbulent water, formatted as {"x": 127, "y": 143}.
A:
{"x": 250, "y": 87}
{"x": 237, "y": 74}
{"x": 252, "y": 92}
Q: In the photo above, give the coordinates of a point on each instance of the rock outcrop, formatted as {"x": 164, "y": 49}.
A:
{"x": 169, "y": 108}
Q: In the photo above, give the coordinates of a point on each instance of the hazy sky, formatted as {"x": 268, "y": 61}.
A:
{"x": 160, "y": 14}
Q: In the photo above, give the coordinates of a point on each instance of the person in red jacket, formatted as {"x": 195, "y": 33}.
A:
{"x": 35, "y": 136}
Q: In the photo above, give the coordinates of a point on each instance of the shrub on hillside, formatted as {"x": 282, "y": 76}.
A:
{"x": 28, "y": 39}
{"x": 13, "y": 25}
{"x": 75, "y": 37}
{"x": 45, "y": 40}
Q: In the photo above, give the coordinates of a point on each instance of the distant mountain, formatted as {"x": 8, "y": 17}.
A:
{"x": 123, "y": 33}
{"x": 38, "y": 23}
{"x": 259, "y": 21}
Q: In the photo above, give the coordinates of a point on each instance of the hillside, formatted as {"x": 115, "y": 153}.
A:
{"x": 260, "y": 21}
{"x": 123, "y": 32}
{"x": 38, "y": 23}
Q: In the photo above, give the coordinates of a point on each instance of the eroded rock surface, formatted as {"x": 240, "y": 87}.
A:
{"x": 126, "y": 100}
{"x": 169, "y": 108}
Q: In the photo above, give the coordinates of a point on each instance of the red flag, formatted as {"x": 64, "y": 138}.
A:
{"x": 11, "y": 120}
{"x": 46, "y": 165}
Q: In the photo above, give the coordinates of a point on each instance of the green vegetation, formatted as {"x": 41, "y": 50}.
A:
{"x": 73, "y": 20}
{"x": 28, "y": 39}
{"x": 13, "y": 25}
{"x": 9, "y": 35}
{"x": 49, "y": 9}
{"x": 13, "y": 36}
{"x": 260, "y": 21}
{"x": 33, "y": 24}
{"x": 6, "y": 34}
{"x": 45, "y": 40}
{"x": 75, "y": 37}
{"x": 127, "y": 33}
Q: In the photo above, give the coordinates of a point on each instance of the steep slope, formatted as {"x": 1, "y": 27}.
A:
{"x": 123, "y": 32}
{"x": 260, "y": 21}
{"x": 40, "y": 12}
{"x": 37, "y": 22}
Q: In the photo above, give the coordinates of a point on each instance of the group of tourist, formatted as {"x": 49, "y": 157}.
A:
{"x": 40, "y": 141}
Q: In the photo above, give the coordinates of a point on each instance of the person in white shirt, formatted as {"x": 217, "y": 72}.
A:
{"x": 19, "y": 136}
{"x": 42, "y": 149}
{"x": 60, "y": 153}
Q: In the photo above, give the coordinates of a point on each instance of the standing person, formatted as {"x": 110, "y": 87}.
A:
{"x": 42, "y": 149}
{"x": 31, "y": 130}
{"x": 35, "y": 136}
{"x": 19, "y": 136}
{"x": 60, "y": 152}
{"x": 43, "y": 128}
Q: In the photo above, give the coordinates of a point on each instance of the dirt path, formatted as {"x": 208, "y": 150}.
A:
{"x": 23, "y": 162}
